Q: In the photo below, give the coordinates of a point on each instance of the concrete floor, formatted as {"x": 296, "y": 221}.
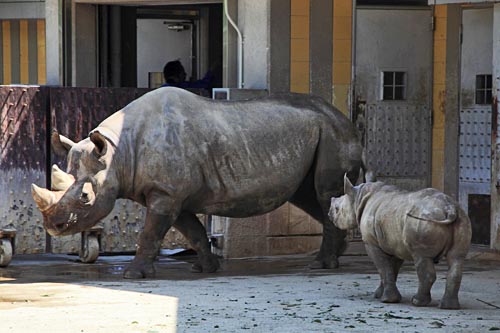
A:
{"x": 55, "y": 293}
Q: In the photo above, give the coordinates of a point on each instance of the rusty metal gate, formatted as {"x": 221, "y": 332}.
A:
{"x": 27, "y": 117}
{"x": 393, "y": 92}
{"x": 23, "y": 133}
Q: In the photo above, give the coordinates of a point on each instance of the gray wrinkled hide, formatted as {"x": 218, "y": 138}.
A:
{"x": 398, "y": 225}
{"x": 179, "y": 155}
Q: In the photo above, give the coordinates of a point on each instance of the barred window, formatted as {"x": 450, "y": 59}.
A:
{"x": 483, "y": 89}
{"x": 393, "y": 86}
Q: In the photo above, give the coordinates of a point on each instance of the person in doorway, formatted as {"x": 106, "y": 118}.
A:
{"x": 175, "y": 76}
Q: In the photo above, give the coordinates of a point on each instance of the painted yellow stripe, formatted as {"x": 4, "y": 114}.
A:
{"x": 7, "y": 61}
{"x": 23, "y": 51}
{"x": 42, "y": 72}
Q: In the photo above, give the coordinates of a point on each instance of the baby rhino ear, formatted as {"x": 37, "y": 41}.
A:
{"x": 348, "y": 187}
{"x": 101, "y": 145}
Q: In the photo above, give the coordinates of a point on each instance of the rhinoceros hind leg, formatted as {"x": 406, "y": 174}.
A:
{"x": 190, "y": 226}
{"x": 210, "y": 265}
{"x": 138, "y": 269}
{"x": 453, "y": 281}
{"x": 426, "y": 277}
{"x": 334, "y": 242}
{"x": 332, "y": 247}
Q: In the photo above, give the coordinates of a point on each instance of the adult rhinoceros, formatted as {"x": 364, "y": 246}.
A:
{"x": 179, "y": 154}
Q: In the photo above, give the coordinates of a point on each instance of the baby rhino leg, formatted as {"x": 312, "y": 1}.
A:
{"x": 388, "y": 268}
{"x": 453, "y": 280}
{"x": 426, "y": 277}
{"x": 396, "y": 266}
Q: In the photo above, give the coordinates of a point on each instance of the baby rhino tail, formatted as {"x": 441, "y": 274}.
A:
{"x": 436, "y": 207}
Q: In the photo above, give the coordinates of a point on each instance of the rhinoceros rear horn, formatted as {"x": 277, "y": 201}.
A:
{"x": 43, "y": 197}
{"x": 100, "y": 143}
{"x": 60, "y": 144}
{"x": 348, "y": 188}
{"x": 60, "y": 180}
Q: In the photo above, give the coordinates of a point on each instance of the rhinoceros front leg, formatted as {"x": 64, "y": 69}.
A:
{"x": 426, "y": 276}
{"x": 155, "y": 228}
{"x": 189, "y": 225}
{"x": 387, "y": 291}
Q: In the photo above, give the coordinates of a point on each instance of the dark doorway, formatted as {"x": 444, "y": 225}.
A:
{"x": 123, "y": 46}
{"x": 479, "y": 213}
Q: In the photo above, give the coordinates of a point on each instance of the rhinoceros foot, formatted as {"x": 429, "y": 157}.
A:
{"x": 449, "y": 303}
{"x": 209, "y": 264}
{"x": 318, "y": 263}
{"x": 136, "y": 271}
{"x": 421, "y": 300}
{"x": 391, "y": 295}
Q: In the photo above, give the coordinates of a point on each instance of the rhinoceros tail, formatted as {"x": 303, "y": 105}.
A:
{"x": 445, "y": 215}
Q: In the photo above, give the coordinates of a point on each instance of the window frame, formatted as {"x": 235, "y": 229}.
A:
{"x": 393, "y": 84}
{"x": 481, "y": 94}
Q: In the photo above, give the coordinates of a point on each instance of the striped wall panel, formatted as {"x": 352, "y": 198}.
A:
{"x": 22, "y": 52}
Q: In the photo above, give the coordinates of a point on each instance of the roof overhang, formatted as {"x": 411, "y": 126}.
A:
{"x": 148, "y": 2}
{"x": 443, "y": 2}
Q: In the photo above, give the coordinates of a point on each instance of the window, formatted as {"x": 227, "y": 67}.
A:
{"x": 483, "y": 89}
{"x": 393, "y": 86}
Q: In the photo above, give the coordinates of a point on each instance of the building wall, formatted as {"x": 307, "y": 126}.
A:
{"x": 22, "y": 51}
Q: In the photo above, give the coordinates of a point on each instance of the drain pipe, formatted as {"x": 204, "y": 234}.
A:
{"x": 240, "y": 46}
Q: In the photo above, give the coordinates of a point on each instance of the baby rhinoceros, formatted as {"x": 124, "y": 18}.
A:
{"x": 398, "y": 225}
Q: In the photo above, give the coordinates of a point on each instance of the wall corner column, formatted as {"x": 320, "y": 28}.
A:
{"x": 495, "y": 151}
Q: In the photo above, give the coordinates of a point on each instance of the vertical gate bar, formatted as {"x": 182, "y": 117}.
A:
{"x": 495, "y": 147}
{"x": 48, "y": 159}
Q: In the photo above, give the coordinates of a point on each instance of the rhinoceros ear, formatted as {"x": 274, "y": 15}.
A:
{"x": 60, "y": 144}
{"x": 348, "y": 188}
{"x": 101, "y": 145}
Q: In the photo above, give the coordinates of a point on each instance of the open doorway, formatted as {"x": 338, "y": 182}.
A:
{"x": 136, "y": 42}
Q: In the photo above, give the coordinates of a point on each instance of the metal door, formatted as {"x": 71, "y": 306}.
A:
{"x": 475, "y": 119}
{"x": 393, "y": 92}
{"x": 22, "y": 162}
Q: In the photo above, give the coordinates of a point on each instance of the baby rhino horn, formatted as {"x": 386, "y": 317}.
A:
{"x": 60, "y": 180}
{"x": 43, "y": 197}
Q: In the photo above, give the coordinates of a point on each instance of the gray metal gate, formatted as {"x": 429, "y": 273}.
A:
{"x": 393, "y": 92}
{"x": 475, "y": 120}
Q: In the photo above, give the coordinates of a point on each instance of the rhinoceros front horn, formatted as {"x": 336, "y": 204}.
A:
{"x": 60, "y": 180}
{"x": 43, "y": 197}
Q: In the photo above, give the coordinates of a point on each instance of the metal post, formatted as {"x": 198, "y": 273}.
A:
{"x": 495, "y": 154}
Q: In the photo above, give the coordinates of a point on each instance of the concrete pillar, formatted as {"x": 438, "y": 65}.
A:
{"x": 84, "y": 45}
{"x": 230, "y": 42}
{"x": 452, "y": 102}
{"x": 279, "y": 66}
{"x": 53, "y": 31}
{"x": 321, "y": 48}
{"x": 495, "y": 158}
